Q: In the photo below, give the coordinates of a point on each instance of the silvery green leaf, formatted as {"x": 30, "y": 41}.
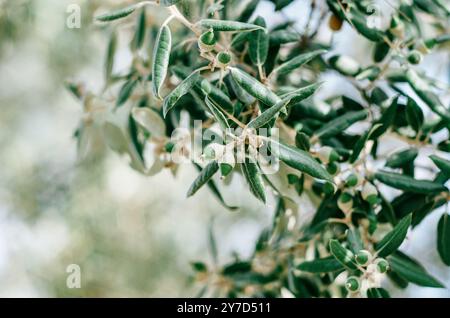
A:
{"x": 259, "y": 43}
{"x": 150, "y": 120}
{"x": 181, "y": 90}
{"x": 228, "y": 26}
{"x": 254, "y": 87}
{"x": 392, "y": 241}
{"x": 161, "y": 55}
{"x": 280, "y": 37}
{"x": 339, "y": 124}
{"x": 302, "y": 93}
{"x": 205, "y": 175}
{"x": 253, "y": 176}
{"x": 115, "y": 15}
{"x": 168, "y": 3}
{"x": 407, "y": 183}
{"x": 297, "y": 62}
{"x": 414, "y": 115}
{"x": 126, "y": 91}
{"x": 300, "y": 160}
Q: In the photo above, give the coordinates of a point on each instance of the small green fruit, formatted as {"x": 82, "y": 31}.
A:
{"x": 415, "y": 57}
{"x": 352, "y": 284}
{"x": 345, "y": 202}
{"x": 363, "y": 257}
{"x": 333, "y": 168}
{"x": 207, "y": 41}
{"x": 327, "y": 154}
{"x": 382, "y": 265}
{"x": 352, "y": 180}
{"x": 328, "y": 188}
{"x": 369, "y": 193}
{"x": 223, "y": 59}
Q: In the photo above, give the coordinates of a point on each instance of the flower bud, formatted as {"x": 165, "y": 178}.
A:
{"x": 352, "y": 284}
{"x": 207, "y": 41}
{"x": 327, "y": 154}
{"x": 415, "y": 57}
{"x": 369, "y": 193}
{"x": 382, "y": 265}
{"x": 223, "y": 59}
{"x": 345, "y": 202}
{"x": 363, "y": 257}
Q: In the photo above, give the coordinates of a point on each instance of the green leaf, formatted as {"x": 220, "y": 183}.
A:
{"x": 392, "y": 241}
{"x": 339, "y": 124}
{"x": 280, "y": 37}
{"x": 443, "y": 238}
{"x": 150, "y": 120}
{"x": 254, "y": 179}
{"x": 377, "y": 293}
{"x": 412, "y": 271}
{"x": 399, "y": 159}
{"x": 126, "y": 91}
{"x": 343, "y": 255}
{"x": 322, "y": 265}
{"x": 206, "y": 174}
{"x": 259, "y": 43}
{"x": 218, "y": 114}
{"x": 354, "y": 240}
{"x": 442, "y": 164}
{"x": 300, "y": 160}
{"x": 359, "y": 146}
{"x": 407, "y": 183}
{"x": 254, "y": 87}
{"x": 267, "y": 115}
{"x": 422, "y": 89}
{"x": 115, "y": 15}
{"x": 182, "y": 89}
{"x": 302, "y": 93}
{"x": 139, "y": 36}
{"x": 414, "y": 115}
{"x": 228, "y": 26}
{"x": 297, "y": 62}
{"x": 161, "y": 55}
{"x": 110, "y": 54}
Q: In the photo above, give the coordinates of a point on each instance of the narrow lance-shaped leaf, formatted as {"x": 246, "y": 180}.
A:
{"x": 297, "y": 62}
{"x": 141, "y": 28}
{"x": 443, "y": 239}
{"x": 228, "y": 26}
{"x": 215, "y": 110}
{"x": 377, "y": 293}
{"x": 392, "y": 241}
{"x": 300, "y": 160}
{"x": 412, "y": 271}
{"x": 126, "y": 91}
{"x": 442, "y": 164}
{"x": 398, "y": 159}
{"x": 253, "y": 176}
{"x": 339, "y": 124}
{"x": 110, "y": 55}
{"x": 423, "y": 91}
{"x": 322, "y": 265}
{"x": 259, "y": 44}
{"x": 343, "y": 255}
{"x": 205, "y": 175}
{"x": 254, "y": 87}
{"x": 361, "y": 143}
{"x": 414, "y": 114}
{"x": 267, "y": 115}
{"x": 115, "y": 15}
{"x": 301, "y": 94}
{"x": 161, "y": 55}
{"x": 181, "y": 90}
{"x": 168, "y": 3}
{"x": 407, "y": 183}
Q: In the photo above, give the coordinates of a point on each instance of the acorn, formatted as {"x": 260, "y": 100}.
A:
{"x": 363, "y": 257}
{"x": 382, "y": 265}
{"x": 328, "y": 188}
{"x": 223, "y": 59}
{"x": 352, "y": 284}
{"x": 345, "y": 202}
{"x": 333, "y": 168}
{"x": 369, "y": 193}
{"x": 207, "y": 41}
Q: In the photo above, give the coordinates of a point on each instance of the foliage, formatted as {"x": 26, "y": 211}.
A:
{"x": 214, "y": 61}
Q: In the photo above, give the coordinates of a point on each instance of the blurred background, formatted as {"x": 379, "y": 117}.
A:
{"x": 131, "y": 235}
